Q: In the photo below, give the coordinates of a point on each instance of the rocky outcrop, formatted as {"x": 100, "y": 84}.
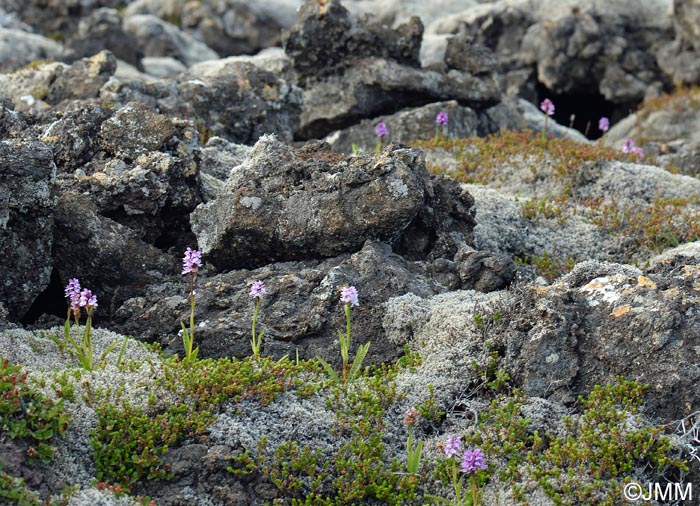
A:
{"x": 160, "y": 38}
{"x": 27, "y": 175}
{"x": 103, "y": 30}
{"x": 373, "y": 86}
{"x": 376, "y": 66}
{"x": 284, "y": 204}
{"x": 19, "y": 48}
{"x": 326, "y": 34}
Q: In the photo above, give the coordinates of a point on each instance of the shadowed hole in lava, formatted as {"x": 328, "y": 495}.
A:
{"x": 51, "y": 301}
{"x": 583, "y": 110}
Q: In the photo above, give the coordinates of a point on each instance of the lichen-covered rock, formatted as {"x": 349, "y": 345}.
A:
{"x": 237, "y": 101}
{"x": 19, "y": 48}
{"x": 107, "y": 257}
{"x": 83, "y": 79}
{"x": 603, "y": 320}
{"x": 407, "y": 125}
{"x": 103, "y": 30}
{"x": 27, "y": 174}
{"x": 286, "y": 204}
{"x": 326, "y": 39}
{"x": 160, "y": 38}
{"x": 133, "y": 130}
{"x": 53, "y": 83}
{"x": 373, "y": 86}
{"x": 73, "y": 136}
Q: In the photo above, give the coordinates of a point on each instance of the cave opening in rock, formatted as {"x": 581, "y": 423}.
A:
{"x": 51, "y": 301}
{"x": 583, "y": 110}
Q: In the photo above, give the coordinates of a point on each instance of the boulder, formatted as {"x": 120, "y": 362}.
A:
{"x": 326, "y": 39}
{"x": 103, "y": 30}
{"x": 237, "y": 101}
{"x": 53, "y": 83}
{"x": 286, "y": 204}
{"x": 160, "y": 38}
{"x": 374, "y": 86}
{"x": 83, "y": 79}
{"x": 407, "y": 125}
{"x": 19, "y": 48}
{"x": 27, "y": 175}
{"x": 301, "y": 308}
{"x": 106, "y": 256}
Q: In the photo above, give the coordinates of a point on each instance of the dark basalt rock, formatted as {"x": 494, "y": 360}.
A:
{"x": 237, "y": 101}
{"x": 109, "y": 258}
{"x": 375, "y": 86}
{"x": 407, "y": 125}
{"x": 286, "y": 204}
{"x": 327, "y": 38}
{"x": 27, "y": 175}
{"x": 103, "y": 30}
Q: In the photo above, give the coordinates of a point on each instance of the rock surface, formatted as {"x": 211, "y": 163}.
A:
{"x": 27, "y": 175}
{"x": 332, "y": 205}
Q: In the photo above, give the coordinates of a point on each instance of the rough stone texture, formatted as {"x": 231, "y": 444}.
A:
{"x": 19, "y": 48}
{"x": 484, "y": 271}
{"x": 73, "y": 136}
{"x": 463, "y": 54}
{"x": 407, "y": 125}
{"x": 107, "y": 257}
{"x": 83, "y": 79}
{"x": 133, "y": 130}
{"x": 160, "y": 38}
{"x": 283, "y": 204}
{"x": 374, "y": 86}
{"x": 326, "y": 38}
{"x": 52, "y": 83}
{"x": 11, "y": 122}
{"x": 239, "y": 101}
{"x": 102, "y": 30}
{"x": 140, "y": 170}
{"x": 603, "y": 320}
{"x": 55, "y": 16}
{"x": 27, "y": 173}
{"x": 300, "y": 309}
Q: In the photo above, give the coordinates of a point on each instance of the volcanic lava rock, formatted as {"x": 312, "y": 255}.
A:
{"x": 286, "y": 204}
{"x": 238, "y": 101}
{"x": 108, "y": 257}
{"x": 27, "y": 174}
{"x": 407, "y": 125}
{"x": 325, "y": 35}
{"x": 372, "y": 86}
{"x": 19, "y": 48}
{"x": 103, "y": 29}
{"x": 160, "y": 38}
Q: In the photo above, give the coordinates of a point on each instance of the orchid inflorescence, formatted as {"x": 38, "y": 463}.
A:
{"x": 630, "y": 148}
{"x": 547, "y": 107}
{"x": 79, "y": 299}
{"x": 191, "y": 263}
{"x": 382, "y": 131}
{"x": 257, "y": 290}
{"x": 470, "y": 463}
{"x": 440, "y": 121}
{"x": 349, "y": 297}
